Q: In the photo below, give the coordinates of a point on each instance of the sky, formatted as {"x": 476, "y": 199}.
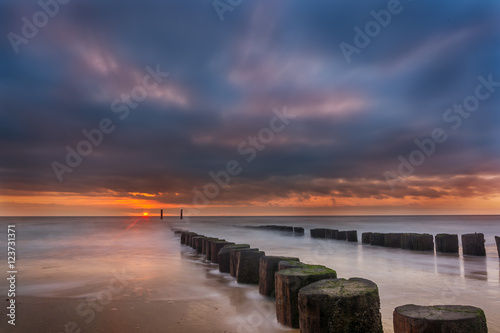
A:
{"x": 262, "y": 107}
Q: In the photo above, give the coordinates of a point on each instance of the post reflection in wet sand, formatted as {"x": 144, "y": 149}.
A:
{"x": 475, "y": 268}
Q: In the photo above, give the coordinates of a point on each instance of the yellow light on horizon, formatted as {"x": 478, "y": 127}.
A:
{"x": 145, "y": 214}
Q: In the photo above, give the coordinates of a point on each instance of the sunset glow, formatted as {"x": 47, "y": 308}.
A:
{"x": 362, "y": 137}
{"x": 265, "y": 113}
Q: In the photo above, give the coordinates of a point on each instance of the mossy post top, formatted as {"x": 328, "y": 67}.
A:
{"x": 287, "y": 264}
{"x": 228, "y": 248}
{"x": 446, "y": 235}
{"x": 222, "y": 241}
{"x": 341, "y": 287}
{"x": 440, "y": 312}
{"x": 306, "y": 270}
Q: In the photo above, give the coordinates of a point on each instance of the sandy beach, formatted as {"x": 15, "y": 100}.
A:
{"x": 128, "y": 275}
{"x": 55, "y": 315}
{"x": 140, "y": 280}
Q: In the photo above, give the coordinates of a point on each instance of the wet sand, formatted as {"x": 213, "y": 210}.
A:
{"x": 53, "y": 315}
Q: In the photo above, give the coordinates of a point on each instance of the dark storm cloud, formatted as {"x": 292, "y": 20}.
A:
{"x": 353, "y": 120}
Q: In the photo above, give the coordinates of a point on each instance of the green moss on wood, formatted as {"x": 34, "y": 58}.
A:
{"x": 308, "y": 270}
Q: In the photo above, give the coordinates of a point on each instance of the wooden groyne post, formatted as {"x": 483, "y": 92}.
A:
{"x": 298, "y": 231}
{"x": 205, "y": 245}
{"x": 268, "y": 267}
{"x": 289, "y": 282}
{"x": 417, "y": 242}
{"x": 352, "y": 236}
{"x": 473, "y": 244}
{"x": 216, "y": 246}
{"x": 224, "y": 256}
{"x": 393, "y": 240}
{"x": 365, "y": 237}
{"x": 497, "y": 239}
{"x": 197, "y": 242}
{"x": 318, "y": 233}
{"x": 233, "y": 259}
{"x": 341, "y": 235}
{"x": 208, "y": 247}
{"x": 340, "y": 305}
{"x": 331, "y": 233}
{"x": 247, "y": 270}
{"x": 446, "y": 243}
{"x": 377, "y": 239}
{"x": 439, "y": 318}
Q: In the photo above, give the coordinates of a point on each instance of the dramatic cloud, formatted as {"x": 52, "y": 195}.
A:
{"x": 361, "y": 137}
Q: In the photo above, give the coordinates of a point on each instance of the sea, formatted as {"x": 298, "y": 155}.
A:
{"x": 76, "y": 257}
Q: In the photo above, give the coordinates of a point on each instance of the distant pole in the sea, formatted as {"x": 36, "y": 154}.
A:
{"x": 161, "y": 214}
{"x": 497, "y": 239}
{"x": 181, "y": 213}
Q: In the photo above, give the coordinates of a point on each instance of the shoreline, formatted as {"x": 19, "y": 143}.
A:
{"x": 158, "y": 271}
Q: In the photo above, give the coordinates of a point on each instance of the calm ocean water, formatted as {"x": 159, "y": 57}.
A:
{"x": 78, "y": 256}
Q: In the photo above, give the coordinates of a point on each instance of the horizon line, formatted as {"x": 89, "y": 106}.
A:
{"x": 148, "y": 216}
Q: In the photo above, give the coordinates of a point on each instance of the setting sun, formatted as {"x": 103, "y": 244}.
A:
{"x": 145, "y": 214}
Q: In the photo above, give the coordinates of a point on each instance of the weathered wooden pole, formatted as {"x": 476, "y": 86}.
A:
{"x": 318, "y": 233}
{"x": 288, "y": 282}
{"x": 341, "y": 235}
{"x": 497, "y": 239}
{"x": 473, "y": 244}
{"x": 204, "y": 244}
{"x": 417, "y": 242}
{"x": 407, "y": 241}
{"x": 339, "y": 305}
{"x": 161, "y": 214}
{"x": 352, "y": 236}
{"x": 198, "y": 241}
{"x": 181, "y": 214}
{"x": 208, "y": 248}
{"x": 193, "y": 239}
{"x": 331, "y": 233}
{"x": 446, "y": 243}
{"x": 190, "y": 237}
{"x": 393, "y": 240}
{"x": 269, "y": 266}
{"x": 365, "y": 237}
{"x": 298, "y": 230}
{"x": 247, "y": 270}
{"x": 377, "y": 238}
{"x": 185, "y": 237}
{"x": 439, "y": 319}
{"x": 214, "y": 251}
{"x": 224, "y": 256}
{"x": 233, "y": 259}
{"x": 423, "y": 242}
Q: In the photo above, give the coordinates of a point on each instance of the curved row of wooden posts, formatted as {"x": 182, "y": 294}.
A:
{"x": 312, "y": 298}
{"x": 472, "y": 244}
